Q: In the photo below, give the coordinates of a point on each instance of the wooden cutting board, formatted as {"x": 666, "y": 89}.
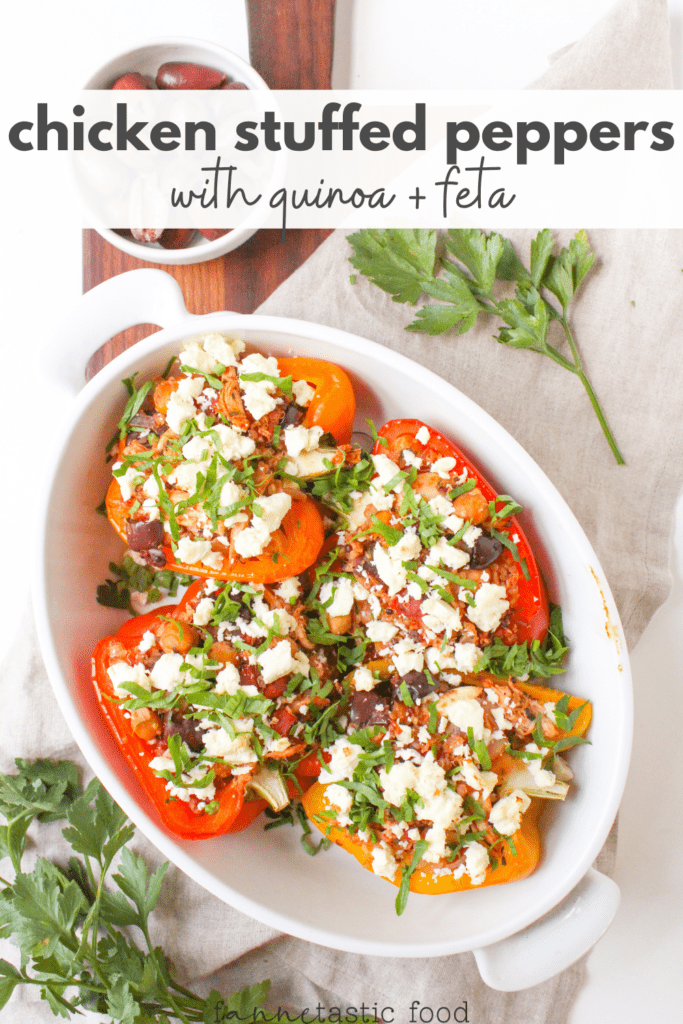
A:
{"x": 291, "y": 47}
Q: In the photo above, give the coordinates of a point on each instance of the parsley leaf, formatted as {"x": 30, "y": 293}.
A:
{"x": 397, "y": 261}
{"x": 68, "y": 922}
{"x": 403, "y": 263}
{"x": 421, "y": 848}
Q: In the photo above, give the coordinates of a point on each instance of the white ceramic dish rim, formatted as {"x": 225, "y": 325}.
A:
{"x": 232, "y": 324}
{"x": 240, "y": 70}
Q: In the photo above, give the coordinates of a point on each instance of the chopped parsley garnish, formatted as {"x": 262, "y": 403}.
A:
{"x": 141, "y": 579}
{"x": 420, "y": 849}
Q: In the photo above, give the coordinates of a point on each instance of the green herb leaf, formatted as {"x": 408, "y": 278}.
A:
{"x": 397, "y": 261}
{"x": 421, "y": 848}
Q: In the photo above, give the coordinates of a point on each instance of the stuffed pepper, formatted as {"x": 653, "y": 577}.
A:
{"x": 437, "y": 786}
{"x": 215, "y": 701}
{"x": 211, "y": 461}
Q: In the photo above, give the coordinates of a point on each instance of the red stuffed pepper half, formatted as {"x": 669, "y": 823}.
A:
{"x": 216, "y": 701}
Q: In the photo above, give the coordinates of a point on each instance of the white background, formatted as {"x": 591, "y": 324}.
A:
{"x": 634, "y": 972}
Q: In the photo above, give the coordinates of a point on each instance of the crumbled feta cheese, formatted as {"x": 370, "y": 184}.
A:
{"x": 463, "y": 712}
{"x": 165, "y": 763}
{"x": 506, "y": 815}
{"x": 151, "y": 487}
{"x": 438, "y": 660}
{"x": 231, "y": 444}
{"x": 148, "y": 641}
{"x": 166, "y": 672}
{"x": 255, "y": 538}
{"x": 471, "y": 535}
{"x": 303, "y": 392}
{"x": 344, "y": 757}
{"x": 231, "y": 493}
{"x": 279, "y": 661}
{"x": 444, "y": 467}
{"x": 121, "y": 673}
{"x": 228, "y": 680}
{"x": 380, "y": 632}
{"x": 383, "y": 862}
{"x": 411, "y": 459}
{"x": 442, "y": 553}
{"x": 397, "y": 781}
{"x": 478, "y": 779}
{"x": 195, "y": 356}
{"x": 288, "y": 589}
{"x": 407, "y": 656}
{"x": 476, "y": 862}
{"x": 341, "y": 592}
{"x": 500, "y": 719}
{"x": 543, "y": 777}
{"x": 302, "y": 439}
{"x": 440, "y": 505}
{"x": 225, "y": 350}
{"x": 181, "y": 407}
{"x": 258, "y": 395}
{"x": 203, "y": 611}
{"x": 407, "y": 548}
{"x": 466, "y": 657}
{"x": 128, "y": 481}
{"x": 235, "y": 751}
{"x": 438, "y": 615}
{"x": 422, "y": 435}
{"x": 339, "y": 797}
{"x": 436, "y": 837}
{"x": 490, "y": 605}
{"x": 363, "y": 679}
{"x": 386, "y": 470}
{"x": 390, "y": 571}
{"x": 193, "y": 551}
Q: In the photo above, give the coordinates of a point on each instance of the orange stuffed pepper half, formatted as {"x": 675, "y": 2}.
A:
{"x": 211, "y": 461}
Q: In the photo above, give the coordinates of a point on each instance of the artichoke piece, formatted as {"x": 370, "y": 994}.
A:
{"x": 268, "y": 784}
{"x": 308, "y": 465}
{"x": 521, "y": 778}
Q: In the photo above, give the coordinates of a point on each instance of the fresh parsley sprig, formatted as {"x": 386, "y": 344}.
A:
{"x": 404, "y": 263}
{"x": 73, "y": 924}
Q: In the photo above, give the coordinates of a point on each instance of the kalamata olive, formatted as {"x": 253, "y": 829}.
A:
{"x": 293, "y": 416}
{"x": 155, "y": 557}
{"x": 364, "y": 441}
{"x": 417, "y": 683}
{"x": 132, "y": 80}
{"x": 176, "y": 238}
{"x": 211, "y": 234}
{"x": 146, "y": 234}
{"x": 141, "y": 536}
{"x": 485, "y": 551}
{"x": 187, "y": 728}
{"x": 327, "y": 440}
{"x": 141, "y": 419}
{"x": 180, "y": 74}
{"x": 368, "y": 708}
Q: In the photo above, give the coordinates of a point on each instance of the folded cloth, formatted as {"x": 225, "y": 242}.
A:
{"x": 627, "y": 49}
{"x": 627, "y": 322}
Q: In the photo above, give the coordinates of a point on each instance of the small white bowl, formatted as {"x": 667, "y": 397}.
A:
{"x": 147, "y": 60}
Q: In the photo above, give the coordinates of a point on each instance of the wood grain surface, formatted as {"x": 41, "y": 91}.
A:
{"x": 291, "y": 46}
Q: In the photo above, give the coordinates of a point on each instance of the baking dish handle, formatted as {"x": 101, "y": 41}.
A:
{"x": 556, "y": 941}
{"x": 135, "y": 297}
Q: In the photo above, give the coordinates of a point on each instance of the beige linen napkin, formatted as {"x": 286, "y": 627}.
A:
{"x": 629, "y": 329}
